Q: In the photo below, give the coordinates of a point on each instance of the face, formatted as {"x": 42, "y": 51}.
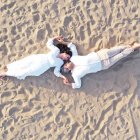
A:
{"x": 67, "y": 67}
{"x": 65, "y": 56}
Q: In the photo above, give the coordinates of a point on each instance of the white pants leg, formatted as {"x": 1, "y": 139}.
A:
{"x": 116, "y": 50}
{"x": 110, "y": 56}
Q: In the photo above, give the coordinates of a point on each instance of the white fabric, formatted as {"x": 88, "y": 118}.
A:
{"x": 90, "y": 63}
{"x": 73, "y": 49}
{"x": 94, "y": 62}
{"x": 110, "y": 56}
{"x": 36, "y": 64}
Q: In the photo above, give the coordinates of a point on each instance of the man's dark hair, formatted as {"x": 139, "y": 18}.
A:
{"x": 62, "y": 67}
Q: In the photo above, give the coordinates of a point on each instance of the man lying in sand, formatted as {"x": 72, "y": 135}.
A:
{"x": 37, "y": 64}
{"x": 95, "y": 61}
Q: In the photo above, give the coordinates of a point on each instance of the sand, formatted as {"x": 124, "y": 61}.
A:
{"x": 107, "y": 107}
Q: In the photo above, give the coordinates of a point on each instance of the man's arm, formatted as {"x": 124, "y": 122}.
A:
{"x": 76, "y": 84}
{"x": 58, "y": 74}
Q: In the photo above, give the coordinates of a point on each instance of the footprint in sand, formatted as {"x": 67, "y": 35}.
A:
{"x": 3, "y": 81}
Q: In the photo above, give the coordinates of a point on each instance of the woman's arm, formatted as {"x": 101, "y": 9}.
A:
{"x": 73, "y": 49}
{"x": 60, "y": 39}
{"x": 71, "y": 46}
{"x": 50, "y": 43}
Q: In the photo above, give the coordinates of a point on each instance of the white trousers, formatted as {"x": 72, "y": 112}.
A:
{"x": 110, "y": 56}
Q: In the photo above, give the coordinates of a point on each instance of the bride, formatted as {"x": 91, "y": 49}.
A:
{"x": 37, "y": 64}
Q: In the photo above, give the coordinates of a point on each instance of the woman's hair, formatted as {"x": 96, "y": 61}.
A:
{"x": 64, "y": 49}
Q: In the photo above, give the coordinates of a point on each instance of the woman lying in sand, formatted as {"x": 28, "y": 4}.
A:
{"x": 95, "y": 61}
{"x": 36, "y": 64}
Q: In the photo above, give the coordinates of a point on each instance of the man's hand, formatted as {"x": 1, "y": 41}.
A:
{"x": 66, "y": 82}
{"x": 64, "y": 78}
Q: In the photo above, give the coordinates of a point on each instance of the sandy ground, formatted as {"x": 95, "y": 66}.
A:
{"x": 107, "y": 107}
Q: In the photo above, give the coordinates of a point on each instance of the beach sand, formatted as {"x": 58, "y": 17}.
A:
{"x": 107, "y": 107}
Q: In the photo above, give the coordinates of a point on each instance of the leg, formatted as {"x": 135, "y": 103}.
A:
{"x": 116, "y": 50}
{"x": 3, "y": 71}
{"x": 111, "y": 56}
{"x": 136, "y": 46}
{"x": 119, "y": 56}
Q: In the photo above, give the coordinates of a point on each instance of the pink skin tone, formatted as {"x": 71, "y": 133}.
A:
{"x": 68, "y": 67}
{"x": 59, "y": 38}
{"x": 136, "y": 46}
{"x": 64, "y": 56}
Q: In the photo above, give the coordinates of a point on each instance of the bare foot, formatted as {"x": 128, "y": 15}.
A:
{"x": 2, "y": 73}
{"x": 136, "y": 46}
{"x": 2, "y": 77}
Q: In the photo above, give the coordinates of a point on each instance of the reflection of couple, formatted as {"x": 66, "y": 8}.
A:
{"x": 79, "y": 66}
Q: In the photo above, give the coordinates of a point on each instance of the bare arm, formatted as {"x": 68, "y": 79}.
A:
{"x": 50, "y": 43}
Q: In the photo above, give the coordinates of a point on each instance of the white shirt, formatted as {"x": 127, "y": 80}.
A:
{"x": 90, "y": 63}
{"x": 55, "y": 61}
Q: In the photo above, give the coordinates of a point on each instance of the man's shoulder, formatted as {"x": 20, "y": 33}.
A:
{"x": 76, "y": 73}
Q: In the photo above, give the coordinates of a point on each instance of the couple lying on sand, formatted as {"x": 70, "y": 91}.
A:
{"x": 64, "y": 56}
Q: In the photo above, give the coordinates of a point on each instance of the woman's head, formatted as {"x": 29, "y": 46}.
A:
{"x": 62, "y": 47}
{"x": 65, "y": 52}
{"x": 64, "y": 56}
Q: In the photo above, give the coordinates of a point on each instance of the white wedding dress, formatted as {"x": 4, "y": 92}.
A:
{"x": 36, "y": 64}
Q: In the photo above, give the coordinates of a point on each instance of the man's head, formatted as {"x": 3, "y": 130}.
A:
{"x": 68, "y": 67}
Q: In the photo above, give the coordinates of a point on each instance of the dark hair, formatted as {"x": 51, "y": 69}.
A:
{"x": 62, "y": 67}
{"x": 64, "y": 49}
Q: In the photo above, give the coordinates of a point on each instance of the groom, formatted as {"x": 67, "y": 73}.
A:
{"x": 95, "y": 61}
